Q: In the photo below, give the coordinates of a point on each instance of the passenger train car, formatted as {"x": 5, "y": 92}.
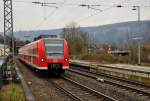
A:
{"x": 46, "y": 54}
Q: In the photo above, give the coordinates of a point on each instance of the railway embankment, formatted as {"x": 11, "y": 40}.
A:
{"x": 11, "y": 88}
{"x": 134, "y": 73}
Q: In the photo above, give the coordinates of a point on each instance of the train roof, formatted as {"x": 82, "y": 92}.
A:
{"x": 53, "y": 38}
{"x": 46, "y": 36}
{"x": 43, "y": 39}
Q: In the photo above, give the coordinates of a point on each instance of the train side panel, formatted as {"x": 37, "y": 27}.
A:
{"x": 66, "y": 56}
{"x": 42, "y": 55}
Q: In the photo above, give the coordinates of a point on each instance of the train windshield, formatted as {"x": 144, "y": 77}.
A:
{"x": 54, "y": 48}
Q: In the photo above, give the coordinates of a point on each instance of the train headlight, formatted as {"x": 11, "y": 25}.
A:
{"x": 66, "y": 59}
{"x": 42, "y": 60}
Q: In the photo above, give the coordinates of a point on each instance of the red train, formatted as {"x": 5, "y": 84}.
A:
{"x": 46, "y": 54}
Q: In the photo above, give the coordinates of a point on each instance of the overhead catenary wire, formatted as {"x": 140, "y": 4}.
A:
{"x": 109, "y": 7}
{"x": 49, "y": 6}
{"x": 50, "y": 14}
{"x": 90, "y": 6}
{"x": 28, "y": 2}
{"x": 95, "y": 7}
{"x": 79, "y": 4}
{"x": 96, "y": 13}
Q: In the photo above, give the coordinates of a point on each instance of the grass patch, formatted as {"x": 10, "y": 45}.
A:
{"x": 12, "y": 92}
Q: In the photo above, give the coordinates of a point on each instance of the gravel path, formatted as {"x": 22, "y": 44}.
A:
{"x": 41, "y": 88}
{"x": 113, "y": 91}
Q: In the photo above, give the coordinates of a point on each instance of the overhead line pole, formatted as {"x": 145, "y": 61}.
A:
{"x": 139, "y": 44}
{"x": 8, "y": 27}
{"x": 137, "y": 38}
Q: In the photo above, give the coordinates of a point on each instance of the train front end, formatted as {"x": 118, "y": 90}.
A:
{"x": 56, "y": 55}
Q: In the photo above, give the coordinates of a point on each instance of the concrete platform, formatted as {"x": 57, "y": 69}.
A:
{"x": 120, "y": 66}
{"x": 126, "y": 71}
{"x": 131, "y": 67}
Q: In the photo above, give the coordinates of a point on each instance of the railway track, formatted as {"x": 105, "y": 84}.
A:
{"x": 69, "y": 88}
{"x": 78, "y": 91}
{"x": 41, "y": 89}
{"x": 132, "y": 86}
{"x": 72, "y": 91}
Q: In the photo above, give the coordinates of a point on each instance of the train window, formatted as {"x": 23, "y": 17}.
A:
{"x": 54, "y": 48}
{"x": 32, "y": 52}
{"x": 53, "y": 41}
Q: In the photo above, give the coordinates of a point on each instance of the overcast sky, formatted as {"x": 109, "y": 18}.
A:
{"x": 29, "y": 16}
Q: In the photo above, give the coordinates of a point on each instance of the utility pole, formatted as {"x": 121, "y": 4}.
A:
{"x": 8, "y": 27}
{"x": 139, "y": 44}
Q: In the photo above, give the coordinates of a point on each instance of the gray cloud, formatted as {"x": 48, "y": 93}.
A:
{"x": 28, "y": 16}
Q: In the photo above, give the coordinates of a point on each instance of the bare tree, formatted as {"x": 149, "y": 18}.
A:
{"x": 77, "y": 39}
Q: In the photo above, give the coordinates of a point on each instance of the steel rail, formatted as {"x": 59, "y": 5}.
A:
{"x": 87, "y": 69}
{"x": 90, "y": 89}
{"x": 110, "y": 82}
{"x": 65, "y": 91}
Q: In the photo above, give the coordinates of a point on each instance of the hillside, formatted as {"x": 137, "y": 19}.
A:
{"x": 119, "y": 33}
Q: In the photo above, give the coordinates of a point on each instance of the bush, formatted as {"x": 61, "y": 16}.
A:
{"x": 105, "y": 58}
